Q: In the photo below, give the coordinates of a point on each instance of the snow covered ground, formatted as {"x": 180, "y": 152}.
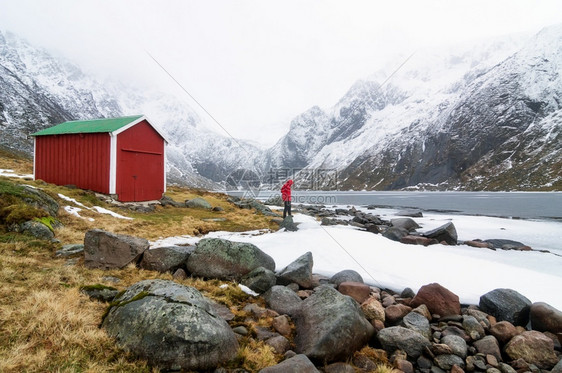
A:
{"x": 467, "y": 271}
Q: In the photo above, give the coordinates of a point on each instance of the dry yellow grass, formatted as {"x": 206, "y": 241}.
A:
{"x": 47, "y": 325}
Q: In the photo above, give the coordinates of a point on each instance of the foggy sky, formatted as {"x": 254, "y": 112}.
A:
{"x": 255, "y": 65}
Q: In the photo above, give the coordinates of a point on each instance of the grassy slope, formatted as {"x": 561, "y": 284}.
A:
{"x": 47, "y": 324}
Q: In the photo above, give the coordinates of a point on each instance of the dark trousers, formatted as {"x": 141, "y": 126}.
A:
{"x": 287, "y": 209}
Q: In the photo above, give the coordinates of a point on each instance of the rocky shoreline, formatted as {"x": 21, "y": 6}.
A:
{"x": 316, "y": 323}
{"x": 404, "y": 229}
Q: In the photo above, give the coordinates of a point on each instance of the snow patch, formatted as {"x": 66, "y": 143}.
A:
{"x": 11, "y": 173}
{"x": 467, "y": 271}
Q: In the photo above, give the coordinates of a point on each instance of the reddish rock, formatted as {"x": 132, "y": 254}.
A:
{"x": 503, "y": 331}
{"x": 480, "y": 244}
{"x": 545, "y": 318}
{"x": 456, "y": 369}
{"x": 418, "y": 240}
{"x": 441, "y": 349}
{"x": 491, "y": 360}
{"x": 282, "y": 325}
{"x": 357, "y": 290}
{"x": 404, "y": 365}
{"x": 423, "y": 310}
{"x": 533, "y": 347}
{"x": 388, "y": 301}
{"x": 438, "y": 300}
{"x": 378, "y": 325}
{"x": 373, "y": 309}
{"x": 396, "y": 312}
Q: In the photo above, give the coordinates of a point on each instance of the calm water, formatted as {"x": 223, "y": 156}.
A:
{"x": 523, "y": 205}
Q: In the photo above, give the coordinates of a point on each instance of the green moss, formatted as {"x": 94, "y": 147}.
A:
{"x": 117, "y": 303}
{"x": 48, "y": 221}
{"x": 11, "y": 189}
{"x": 20, "y": 213}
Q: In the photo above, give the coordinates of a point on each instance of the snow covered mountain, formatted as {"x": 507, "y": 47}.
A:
{"x": 39, "y": 91}
{"x": 486, "y": 116}
{"x": 482, "y": 118}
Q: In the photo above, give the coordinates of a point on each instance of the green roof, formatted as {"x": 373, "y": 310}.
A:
{"x": 88, "y": 126}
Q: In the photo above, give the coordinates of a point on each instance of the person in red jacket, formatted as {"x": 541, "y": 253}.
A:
{"x": 286, "y": 196}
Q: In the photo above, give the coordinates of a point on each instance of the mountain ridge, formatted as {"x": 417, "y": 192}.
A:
{"x": 478, "y": 118}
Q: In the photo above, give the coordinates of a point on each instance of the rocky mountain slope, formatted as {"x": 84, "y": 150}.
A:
{"x": 487, "y": 118}
{"x": 40, "y": 90}
{"x": 476, "y": 117}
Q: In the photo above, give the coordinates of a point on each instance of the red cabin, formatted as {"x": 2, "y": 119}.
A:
{"x": 124, "y": 157}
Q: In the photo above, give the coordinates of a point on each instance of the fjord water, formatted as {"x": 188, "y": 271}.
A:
{"x": 516, "y": 205}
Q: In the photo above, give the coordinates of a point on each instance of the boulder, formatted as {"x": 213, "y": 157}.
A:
{"x": 438, "y": 300}
{"x": 454, "y": 330}
{"x": 472, "y": 327}
{"x": 172, "y": 326}
{"x": 505, "y": 244}
{"x": 418, "y": 240}
{"x": 407, "y": 293}
{"x": 373, "y": 309}
{"x": 357, "y": 290}
{"x": 179, "y": 274}
{"x": 457, "y": 344}
{"x": 395, "y": 234}
{"x": 36, "y": 229}
{"x": 400, "y": 338}
{"x": 446, "y": 232}
{"x": 226, "y": 260}
{"x": 251, "y": 203}
{"x": 446, "y": 362}
{"x": 423, "y": 310}
{"x": 395, "y": 312}
{"x": 331, "y": 326}
{"x": 168, "y": 201}
{"x": 405, "y": 223}
{"x": 299, "y": 271}
{"x": 259, "y": 280}
{"x": 339, "y": 367}
{"x": 279, "y": 343}
{"x": 545, "y": 318}
{"x": 106, "y": 250}
{"x": 289, "y": 224}
{"x": 296, "y": 364}
{"x": 346, "y": 275}
{"x": 283, "y": 300}
{"x": 506, "y": 305}
{"x": 282, "y": 325}
{"x": 198, "y": 202}
{"x": 166, "y": 259}
{"x": 488, "y": 346}
{"x": 479, "y": 244}
{"x": 410, "y": 213}
{"x": 99, "y": 292}
{"x": 417, "y": 322}
{"x": 503, "y": 331}
{"x": 40, "y": 199}
{"x": 70, "y": 250}
{"x": 557, "y": 368}
{"x": 533, "y": 347}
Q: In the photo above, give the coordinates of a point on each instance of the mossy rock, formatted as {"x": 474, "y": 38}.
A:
{"x": 28, "y": 195}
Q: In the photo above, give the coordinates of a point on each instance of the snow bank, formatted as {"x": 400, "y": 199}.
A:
{"x": 75, "y": 211}
{"x": 11, "y": 173}
{"x": 467, "y": 271}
